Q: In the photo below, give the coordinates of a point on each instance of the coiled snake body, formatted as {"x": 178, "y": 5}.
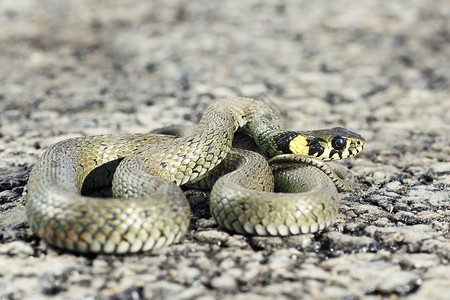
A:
{"x": 145, "y": 167}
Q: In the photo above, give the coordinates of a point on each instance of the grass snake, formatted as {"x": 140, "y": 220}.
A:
{"x": 149, "y": 210}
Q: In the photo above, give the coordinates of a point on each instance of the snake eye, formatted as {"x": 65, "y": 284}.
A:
{"x": 338, "y": 143}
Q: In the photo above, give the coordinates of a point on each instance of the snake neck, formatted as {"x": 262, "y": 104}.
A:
{"x": 261, "y": 122}
{"x": 274, "y": 141}
{"x": 256, "y": 117}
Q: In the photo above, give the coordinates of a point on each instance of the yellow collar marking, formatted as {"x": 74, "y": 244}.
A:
{"x": 299, "y": 145}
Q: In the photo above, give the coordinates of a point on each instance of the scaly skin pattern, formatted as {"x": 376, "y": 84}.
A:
{"x": 149, "y": 210}
{"x": 306, "y": 201}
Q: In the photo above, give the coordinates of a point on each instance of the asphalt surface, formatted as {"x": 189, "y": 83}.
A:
{"x": 380, "y": 68}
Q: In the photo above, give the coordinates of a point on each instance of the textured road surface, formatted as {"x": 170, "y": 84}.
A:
{"x": 381, "y": 68}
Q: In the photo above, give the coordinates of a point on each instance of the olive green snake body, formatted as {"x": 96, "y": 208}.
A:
{"x": 144, "y": 168}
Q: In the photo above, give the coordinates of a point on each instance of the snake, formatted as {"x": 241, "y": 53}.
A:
{"x": 286, "y": 187}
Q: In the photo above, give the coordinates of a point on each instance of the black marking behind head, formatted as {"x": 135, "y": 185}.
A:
{"x": 315, "y": 146}
{"x": 283, "y": 139}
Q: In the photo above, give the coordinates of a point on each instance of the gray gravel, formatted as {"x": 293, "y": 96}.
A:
{"x": 381, "y": 68}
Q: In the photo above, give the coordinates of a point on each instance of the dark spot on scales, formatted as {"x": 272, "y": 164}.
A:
{"x": 283, "y": 139}
{"x": 333, "y": 152}
{"x": 163, "y": 164}
{"x": 315, "y": 147}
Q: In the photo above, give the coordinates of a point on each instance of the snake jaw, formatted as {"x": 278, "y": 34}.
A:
{"x": 353, "y": 147}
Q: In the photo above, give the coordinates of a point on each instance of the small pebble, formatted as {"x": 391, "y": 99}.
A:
{"x": 224, "y": 282}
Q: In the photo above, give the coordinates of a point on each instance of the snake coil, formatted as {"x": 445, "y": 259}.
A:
{"x": 148, "y": 169}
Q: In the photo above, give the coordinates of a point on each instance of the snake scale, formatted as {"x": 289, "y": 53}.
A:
{"x": 149, "y": 210}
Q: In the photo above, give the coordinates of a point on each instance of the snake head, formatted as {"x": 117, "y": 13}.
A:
{"x": 327, "y": 144}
